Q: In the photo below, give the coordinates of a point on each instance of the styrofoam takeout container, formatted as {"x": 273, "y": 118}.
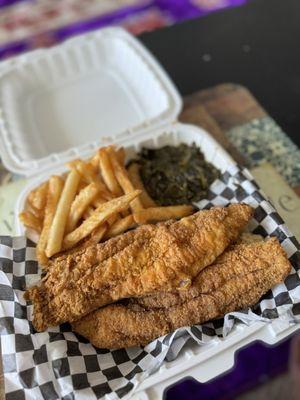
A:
{"x": 100, "y": 88}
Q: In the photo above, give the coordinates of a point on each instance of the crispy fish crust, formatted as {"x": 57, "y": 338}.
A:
{"x": 237, "y": 279}
{"x": 139, "y": 262}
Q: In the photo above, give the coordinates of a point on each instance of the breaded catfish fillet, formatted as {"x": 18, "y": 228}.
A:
{"x": 147, "y": 259}
{"x": 237, "y": 279}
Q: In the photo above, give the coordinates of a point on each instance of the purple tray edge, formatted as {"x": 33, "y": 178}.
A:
{"x": 174, "y": 10}
{"x": 254, "y": 365}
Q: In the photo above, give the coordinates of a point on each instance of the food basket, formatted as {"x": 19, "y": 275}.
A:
{"x": 105, "y": 87}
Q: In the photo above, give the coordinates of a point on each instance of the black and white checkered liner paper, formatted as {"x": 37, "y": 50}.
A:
{"x": 59, "y": 364}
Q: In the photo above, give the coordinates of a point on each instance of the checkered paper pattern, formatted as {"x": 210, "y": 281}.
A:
{"x": 58, "y": 364}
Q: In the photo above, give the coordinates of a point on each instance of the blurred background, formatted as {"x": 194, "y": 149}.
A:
{"x": 28, "y": 24}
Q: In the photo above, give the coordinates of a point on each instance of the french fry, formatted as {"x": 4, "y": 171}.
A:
{"x": 125, "y": 213}
{"x": 37, "y": 198}
{"x": 106, "y": 195}
{"x": 55, "y": 188}
{"x": 121, "y": 155}
{"x": 108, "y": 173}
{"x": 120, "y": 226}
{"x": 96, "y": 235}
{"x": 81, "y": 186}
{"x": 124, "y": 181}
{"x": 120, "y": 152}
{"x": 88, "y": 212}
{"x": 80, "y": 203}
{"x": 99, "y": 216}
{"x": 30, "y": 221}
{"x": 94, "y": 161}
{"x": 162, "y": 213}
{"x": 100, "y": 200}
{"x": 134, "y": 176}
{"x": 39, "y": 214}
{"x": 72, "y": 164}
{"x": 88, "y": 174}
{"x": 58, "y": 226}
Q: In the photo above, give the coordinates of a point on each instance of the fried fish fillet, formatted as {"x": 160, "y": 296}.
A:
{"x": 237, "y": 279}
{"x": 147, "y": 259}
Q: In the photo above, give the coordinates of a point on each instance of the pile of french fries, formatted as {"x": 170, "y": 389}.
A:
{"x": 94, "y": 201}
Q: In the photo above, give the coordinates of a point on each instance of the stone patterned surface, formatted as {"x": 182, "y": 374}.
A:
{"x": 262, "y": 140}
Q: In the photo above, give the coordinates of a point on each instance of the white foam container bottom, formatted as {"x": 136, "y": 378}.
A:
{"x": 105, "y": 87}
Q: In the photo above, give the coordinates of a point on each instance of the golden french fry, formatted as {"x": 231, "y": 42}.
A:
{"x": 58, "y": 226}
{"x": 37, "y": 197}
{"x": 87, "y": 172}
{"x": 30, "y": 197}
{"x": 30, "y": 220}
{"x": 111, "y": 220}
{"x": 100, "y": 200}
{"x": 108, "y": 173}
{"x": 55, "y": 188}
{"x": 125, "y": 213}
{"x": 121, "y": 155}
{"x": 94, "y": 161}
{"x": 99, "y": 216}
{"x": 96, "y": 235}
{"x": 88, "y": 175}
{"x": 96, "y": 203}
{"x": 80, "y": 203}
{"x": 162, "y": 213}
{"x": 124, "y": 181}
{"x": 88, "y": 212}
{"x": 120, "y": 226}
{"x": 72, "y": 164}
{"x": 39, "y": 214}
{"x": 134, "y": 176}
{"x": 81, "y": 186}
{"x": 106, "y": 195}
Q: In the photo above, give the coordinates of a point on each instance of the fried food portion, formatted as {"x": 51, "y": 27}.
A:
{"x": 237, "y": 279}
{"x": 148, "y": 259}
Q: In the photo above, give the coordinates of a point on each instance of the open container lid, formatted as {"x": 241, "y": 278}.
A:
{"x": 64, "y": 102}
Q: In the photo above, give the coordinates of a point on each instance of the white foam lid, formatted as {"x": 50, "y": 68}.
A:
{"x": 57, "y": 104}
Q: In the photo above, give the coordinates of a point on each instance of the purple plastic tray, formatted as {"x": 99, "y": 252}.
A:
{"x": 254, "y": 365}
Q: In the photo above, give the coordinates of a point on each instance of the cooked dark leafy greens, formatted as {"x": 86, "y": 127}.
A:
{"x": 176, "y": 174}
